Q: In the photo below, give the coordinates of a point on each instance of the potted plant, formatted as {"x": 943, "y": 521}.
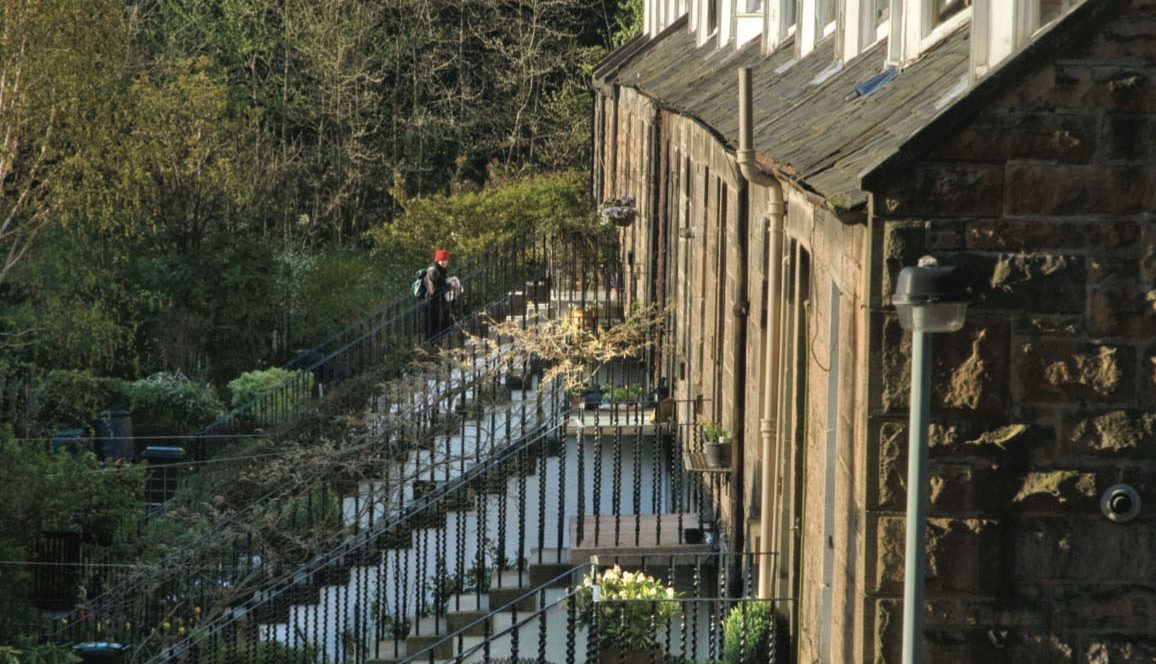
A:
{"x": 625, "y": 395}
{"x": 717, "y": 444}
{"x": 627, "y": 609}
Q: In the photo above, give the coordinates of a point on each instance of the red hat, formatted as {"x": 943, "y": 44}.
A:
{"x": 441, "y": 255}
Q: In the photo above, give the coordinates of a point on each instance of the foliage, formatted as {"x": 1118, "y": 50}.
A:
{"x": 747, "y": 633}
{"x": 253, "y": 384}
{"x": 40, "y": 654}
{"x": 631, "y": 607}
{"x": 45, "y": 492}
{"x": 70, "y": 397}
{"x": 625, "y": 393}
{"x": 332, "y": 289}
{"x": 259, "y": 652}
{"x": 714, "y": 432}
{"x": 470, "y": 220}
{"x": 171, "y": 403}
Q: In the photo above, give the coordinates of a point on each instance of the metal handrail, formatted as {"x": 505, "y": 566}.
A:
{"x": 366, "y": 538}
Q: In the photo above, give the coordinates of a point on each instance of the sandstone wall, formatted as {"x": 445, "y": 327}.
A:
{"x": 1045, "y": 201}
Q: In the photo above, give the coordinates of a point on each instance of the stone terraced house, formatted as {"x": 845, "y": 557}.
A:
{"x": 1013, "y": 139}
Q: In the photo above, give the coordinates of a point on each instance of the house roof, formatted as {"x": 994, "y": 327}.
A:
{"x": 810, "y": 126}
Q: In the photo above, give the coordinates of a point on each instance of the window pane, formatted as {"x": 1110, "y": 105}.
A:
{"x": 941, "y": 10}
{"x": 788, "y": 13}
{"x": 712, "y": 15}
{"x": 882, "y": 11}
{"x": 826, "y": 12}
{"x": 754, "y": 6}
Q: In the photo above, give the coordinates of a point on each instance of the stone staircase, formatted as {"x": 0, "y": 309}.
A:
{"x": 474, "y": 617}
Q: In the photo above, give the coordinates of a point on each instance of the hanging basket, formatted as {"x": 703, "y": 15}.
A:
{"x": 624, "y": 219}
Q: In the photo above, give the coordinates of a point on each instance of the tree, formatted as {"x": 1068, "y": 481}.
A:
{"x": 59, "y": 66}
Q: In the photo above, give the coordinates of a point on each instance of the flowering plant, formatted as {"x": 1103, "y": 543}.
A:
{"x": 627, "y": 608}
{"x": 619, "y": 211}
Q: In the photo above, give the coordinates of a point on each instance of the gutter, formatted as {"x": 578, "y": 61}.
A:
{"x": 768, "y": 425}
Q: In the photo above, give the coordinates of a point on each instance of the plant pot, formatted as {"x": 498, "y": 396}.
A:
{"x": 718, "y": 455}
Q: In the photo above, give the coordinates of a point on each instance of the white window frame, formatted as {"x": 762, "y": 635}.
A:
{"x": 912, "y": 32}
{"x": 748, "y": 22}
{"x": 776, "y": 27}
{"x": 810, "y": 33}
{"x": 858, "y": 30}
{"x": 703, "y": 31}
{"x": 1002, "y": 27}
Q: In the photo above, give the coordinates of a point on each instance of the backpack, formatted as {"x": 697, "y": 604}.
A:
{"x": 418, "y": 287}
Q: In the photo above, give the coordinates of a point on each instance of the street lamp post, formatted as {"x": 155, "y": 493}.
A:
{"x": 928, "y": 299}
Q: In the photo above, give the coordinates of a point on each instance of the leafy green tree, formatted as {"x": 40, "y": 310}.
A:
{"x": 469, "y": 219}
{"x": 59, "y": 67}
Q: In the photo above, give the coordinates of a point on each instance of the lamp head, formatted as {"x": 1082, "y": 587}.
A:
{"x": 929, "y": 298}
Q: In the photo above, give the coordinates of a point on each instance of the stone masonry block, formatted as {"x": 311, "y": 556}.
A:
{"x": 1055, "y": 490}
{"x": 1123, "y": 434}
{"x": 1092, "y": 550}
{"x": 1111, "y": 648}
{"x": 1128, "y": 137}
{"x": 963, "y": 556}
{"x": 1075, "y": 190}
{"x": 1036, "y": 235}
{"x": 969, "y": 367}
{"x": 1074, "y": 85}
{"x": 892, "y": 484}
{"x": 1037, "y": 648}
{"x": 951, "y": 189}
{"x": 888, "y": 630}
{"x": 1121, "y": 308}
{"x": 1119, "y": 607}
{"x": 1001, "y": 135}
{"x": 1111, "y": 270}
{"x": 965, "y": 488}
{"x": 1148, "y": 379}
{"x": 890, "y": 543}
{"x": 1148, "y": 251}
{"x": 1046, "y": 283}
{"x": 1063, "y": 370}
{"x": 903, "y": 244}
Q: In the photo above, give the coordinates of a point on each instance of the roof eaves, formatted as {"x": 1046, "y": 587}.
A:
{"x": 621, "y": 56}
{"x": 1078, "y": 23}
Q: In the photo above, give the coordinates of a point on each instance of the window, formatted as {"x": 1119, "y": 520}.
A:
{"x": 917, "y": 25}
{"x": 780, "y": 23}
{"x": 711, "y": 15}
{"x": 1002, "y": 27}
{"x": 941, "y": 10}
{"x": 864, "y": 23}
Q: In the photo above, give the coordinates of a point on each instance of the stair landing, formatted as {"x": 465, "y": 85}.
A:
{"x": 638, "y": 535}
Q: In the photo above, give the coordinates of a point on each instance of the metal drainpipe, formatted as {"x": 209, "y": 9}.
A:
{"x": 768, "y": 425}
{"x": 740, "y": 308}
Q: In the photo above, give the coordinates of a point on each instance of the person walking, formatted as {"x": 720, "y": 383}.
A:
{"x": 437, "y": 315}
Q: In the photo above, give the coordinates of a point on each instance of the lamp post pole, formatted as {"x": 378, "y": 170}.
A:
{"x": 916, "y": 495}
{"x": 928, "y": 299}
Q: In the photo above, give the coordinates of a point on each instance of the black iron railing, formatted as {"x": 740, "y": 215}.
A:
{"x": 567, "y": 622}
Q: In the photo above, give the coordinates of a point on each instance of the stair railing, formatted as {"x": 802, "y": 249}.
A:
{"x": 410, "y": 516}
{"x": 233, "y": 561}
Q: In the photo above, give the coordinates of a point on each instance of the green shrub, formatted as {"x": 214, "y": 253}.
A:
{"x": 70, "y": 397}
{"x": 285, "y": 389}
{"x": 755, "y": 620}
{"x": 171, "y": 403}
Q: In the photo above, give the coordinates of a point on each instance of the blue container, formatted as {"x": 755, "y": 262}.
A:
{"x": 99, "y": 651}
